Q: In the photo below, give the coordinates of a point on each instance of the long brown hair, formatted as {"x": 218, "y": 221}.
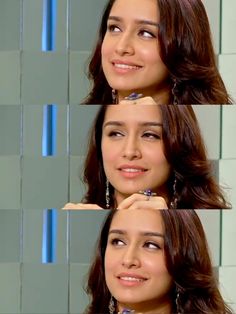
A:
{"x": 184, "y": 149}
{"x": 187, "y": 261}
{"x": 186, "y": 49}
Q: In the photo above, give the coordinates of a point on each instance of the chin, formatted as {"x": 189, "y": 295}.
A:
{"x": 129, "y": 192}
{"x": 128, "y": 301}
{"x": 123, "y": 88}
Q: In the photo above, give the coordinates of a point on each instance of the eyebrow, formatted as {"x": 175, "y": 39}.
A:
{"x": 141, "y": 22}
{"x": 143, "y": 233}
{"x": 120, "y": 123}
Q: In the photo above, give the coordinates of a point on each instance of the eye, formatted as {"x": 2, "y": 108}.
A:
{"x": 146, "y": 34}
{"x": 152, "y": 245}
{"x": 112, "y": 28}
{"x": 151, "y": 135}
{"x": 117, "y": 242}
{"x": 115, "y": 134}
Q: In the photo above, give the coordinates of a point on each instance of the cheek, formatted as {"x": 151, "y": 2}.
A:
{"x": 109, "y": 263}
{"x": 153, "y": 58}
{"x": 106, "y": 49}
{"x": 105, "y": 149}
{"x": 156, "y": 156}
{"x": 151, "y": 54}
{"x": 158, "y": 269}
{"x": 109, "y": 152}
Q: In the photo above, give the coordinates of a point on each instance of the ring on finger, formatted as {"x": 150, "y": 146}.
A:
{"x": 134, "y": 96}
{"x": 148, "y": 193}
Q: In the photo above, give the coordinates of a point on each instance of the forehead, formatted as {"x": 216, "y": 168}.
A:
{"x": 133, "y": 113}
{"x": 136, "y": 221}
{"x": 141, "y": 9}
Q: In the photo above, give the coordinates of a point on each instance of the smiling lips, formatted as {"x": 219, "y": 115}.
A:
{"x": 131, "y": 279}
{"x": 119, "y": 65}
{"x": 131, "y": 172}
{"x": 130, "y": 168}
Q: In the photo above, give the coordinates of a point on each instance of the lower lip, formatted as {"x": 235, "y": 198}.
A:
{"x": 127, "y": 283}
{"x": 131, "y": 175}
{"x": 125, "y": 70}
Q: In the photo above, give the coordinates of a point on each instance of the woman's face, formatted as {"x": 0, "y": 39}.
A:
{"x": 135, "y": 268}
{"x": 132, "y": 150}
{"x": 130, "y": 51}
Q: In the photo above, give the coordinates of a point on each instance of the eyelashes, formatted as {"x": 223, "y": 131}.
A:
{"x": 152, "y": 245}
{"x": 115, "y": 134}
{"x": 146, "y": 34}
{"x": 151, "y": 135}
{"x": 113, "y": 28}
{"x": 146, "y": 135}
{"x": 116, "y": 242}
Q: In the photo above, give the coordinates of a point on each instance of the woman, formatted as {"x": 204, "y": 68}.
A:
{"x": 161, "y": 49}
{"x": 148, "y": 156}
{"x": 158, "y": 264}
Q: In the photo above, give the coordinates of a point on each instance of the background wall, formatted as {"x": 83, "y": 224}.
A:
{"x": 31, "y": 183}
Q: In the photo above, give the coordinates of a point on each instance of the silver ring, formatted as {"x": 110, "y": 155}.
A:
{"x": 147, "y": 193}
{"x": 134, "y": 96}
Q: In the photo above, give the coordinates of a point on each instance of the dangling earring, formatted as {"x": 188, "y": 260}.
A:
{"x": 177, "y": 301}
{"x": 175, "y": 100}
{"x": 114, "y": 96}
{"x": 173, "y": 203}
{"x": 112, "y": 306}
{"x": 107, "y": 195}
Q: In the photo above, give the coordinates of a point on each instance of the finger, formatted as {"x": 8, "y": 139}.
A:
{"x": 146, "y": 101}
{"x": 136, "y": 200}
{"x": 126, "y": 203}
{"x": 81, "y": 206}
{"x": 155, "y": 204}
{"x": 141, "y": 101}
{"x": 70, "y": 206}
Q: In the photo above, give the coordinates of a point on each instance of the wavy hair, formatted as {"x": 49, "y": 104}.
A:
{"x": 184, "y": 149}
{"x": 187, "y": 261}
{"x": 186, "y": 49}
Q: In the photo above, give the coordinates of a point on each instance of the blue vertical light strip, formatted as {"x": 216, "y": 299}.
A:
{"x": 49, "y": 132}
{"x": 49, "y": 25}
{"x": 49, "y": 236}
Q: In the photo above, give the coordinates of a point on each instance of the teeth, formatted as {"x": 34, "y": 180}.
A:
{"x": 132, "y": 170}
{"x": 131, "y": 279}
{"x": 125, "y": 66}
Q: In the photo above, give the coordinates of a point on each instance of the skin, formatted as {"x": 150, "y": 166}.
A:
{"x": 132, "y": 139}
{"x": 127, "y": 142}
{"x": 137, "y": 249}
{"x": 131, "y": 41}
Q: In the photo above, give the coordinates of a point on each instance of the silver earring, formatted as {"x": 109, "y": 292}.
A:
{"x": 114, "y": 96}
{"x": 112, "y": 306}
{"x": 173, "y": 203}
{"x": 175, "y": 100}
{"x": 107, "y": 195}
{"x": 177, "y": 302}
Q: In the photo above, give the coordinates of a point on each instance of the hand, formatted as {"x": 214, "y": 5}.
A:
{"x": 140, "y": 101}
{"x": 140, "y": 201}
{"x": 81, "y": 206}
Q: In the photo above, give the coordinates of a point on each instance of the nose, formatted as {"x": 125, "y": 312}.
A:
{"x": 132, "y": 149}
{"x": 130, "y": 258}
{"x": 124, "y": 45}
